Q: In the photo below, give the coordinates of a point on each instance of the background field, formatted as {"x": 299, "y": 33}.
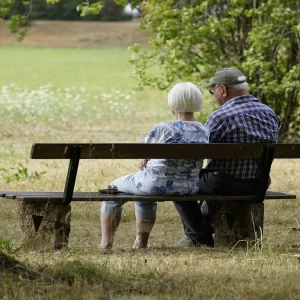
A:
{"x": 82, "y": 92}
{"x": 77, "y": 34}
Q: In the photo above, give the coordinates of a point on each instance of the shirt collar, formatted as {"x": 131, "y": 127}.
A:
{"x": 239, "y": 100}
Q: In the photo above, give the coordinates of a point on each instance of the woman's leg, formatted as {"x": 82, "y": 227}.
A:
{"x": 111, "y": 212}
{"x": 145, "y": 213}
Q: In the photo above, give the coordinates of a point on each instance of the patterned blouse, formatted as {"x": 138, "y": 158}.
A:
{"x": 172, "y": 176}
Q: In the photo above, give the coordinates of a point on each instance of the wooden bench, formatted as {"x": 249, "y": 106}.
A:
{"x": 45, "y": 216}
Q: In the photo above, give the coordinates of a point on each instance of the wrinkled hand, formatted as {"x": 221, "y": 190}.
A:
{"x": 112, "y": 187}
{"x": 143, "y": 163}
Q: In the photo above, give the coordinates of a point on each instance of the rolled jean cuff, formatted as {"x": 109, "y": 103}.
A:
{"x": 112, "y": 208}
{"x": 145, "y": 210}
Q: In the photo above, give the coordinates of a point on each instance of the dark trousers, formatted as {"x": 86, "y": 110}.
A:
{"x": 196, "y": 224}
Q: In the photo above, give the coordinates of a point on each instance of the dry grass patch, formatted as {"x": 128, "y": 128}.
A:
{"x": 77, "y": 34}
{"x": 159, "y": 274}
{"x": 82, "y": 271}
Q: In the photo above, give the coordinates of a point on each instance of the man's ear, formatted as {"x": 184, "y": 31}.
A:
{"x": 224, "y": 92}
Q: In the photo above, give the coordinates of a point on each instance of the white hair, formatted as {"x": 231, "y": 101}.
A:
{"x": 185, "y": 97}
{"x": 239, "y": 86}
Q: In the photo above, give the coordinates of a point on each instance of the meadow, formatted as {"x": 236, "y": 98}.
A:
{"x": 88, "y": 95}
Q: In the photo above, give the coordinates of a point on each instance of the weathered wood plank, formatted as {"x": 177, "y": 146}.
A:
{"x": 287, "y": 151}
{"x": 127, "y": 197}
{"x": 13, "y": 195}
{"x": 56, "y": 197}
{"x": 175, "y": 151}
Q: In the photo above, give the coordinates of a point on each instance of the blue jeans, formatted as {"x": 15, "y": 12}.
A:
{"x": 145, "y": 210}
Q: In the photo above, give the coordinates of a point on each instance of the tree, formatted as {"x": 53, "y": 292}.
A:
{"x": 191, "y": 38}
{"x": 18, "y": 11}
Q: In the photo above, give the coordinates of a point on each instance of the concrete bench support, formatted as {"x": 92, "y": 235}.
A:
{"x": 46, "y": 226}
{"x": 237, "y": 223}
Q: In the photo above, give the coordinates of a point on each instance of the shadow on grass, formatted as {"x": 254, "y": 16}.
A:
{"x": 70, "y": 279}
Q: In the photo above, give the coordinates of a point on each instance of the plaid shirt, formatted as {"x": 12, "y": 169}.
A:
{"x": 241, "y": 120}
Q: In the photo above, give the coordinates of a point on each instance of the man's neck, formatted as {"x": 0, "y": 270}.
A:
{"x": 234, "y": 94}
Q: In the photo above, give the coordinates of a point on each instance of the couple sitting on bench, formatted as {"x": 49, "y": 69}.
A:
{"x": 241, "y": 118}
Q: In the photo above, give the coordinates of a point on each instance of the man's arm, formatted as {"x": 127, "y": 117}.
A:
{"x": 218, "y": 128}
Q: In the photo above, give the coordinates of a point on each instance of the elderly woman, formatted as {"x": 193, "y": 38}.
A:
{"x": 160, "y": 176}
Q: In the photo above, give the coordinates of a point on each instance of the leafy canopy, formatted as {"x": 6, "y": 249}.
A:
{"x": 192, "y": 38}
{"x": 18, "y": 20}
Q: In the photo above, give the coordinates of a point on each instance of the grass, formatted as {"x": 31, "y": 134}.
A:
{"x": 67, "y": 95}
{"x": 64, "y": 68}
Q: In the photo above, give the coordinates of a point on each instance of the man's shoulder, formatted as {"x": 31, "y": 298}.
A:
{"x": 238, "y": 107}
{"x": 258, "y": 107}
{"x": 220, "y": 114}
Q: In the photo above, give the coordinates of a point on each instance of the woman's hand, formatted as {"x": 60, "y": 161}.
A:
{"x": 143, "y": 163}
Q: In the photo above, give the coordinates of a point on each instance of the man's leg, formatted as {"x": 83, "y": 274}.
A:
{"x": 195, "y": 226}
{"x": 196, "y": 222}
{"x": 213, "y": 182}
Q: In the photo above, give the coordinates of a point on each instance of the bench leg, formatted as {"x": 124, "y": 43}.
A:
{"x": 46, "y": 226}
{"x": 238, "y": 224}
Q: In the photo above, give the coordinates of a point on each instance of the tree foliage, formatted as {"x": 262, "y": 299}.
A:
{"x": 191, "y": 39}
{"x": 21, "y": 11}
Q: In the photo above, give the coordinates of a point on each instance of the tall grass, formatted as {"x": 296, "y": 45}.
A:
{"x": 67, "y": 95}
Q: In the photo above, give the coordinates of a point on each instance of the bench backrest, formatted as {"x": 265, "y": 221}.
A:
{"x": 74, "y": 152}
{"x": 135, "y": 150}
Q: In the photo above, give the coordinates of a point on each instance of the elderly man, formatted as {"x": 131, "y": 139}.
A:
{"x": 241, "y": 118}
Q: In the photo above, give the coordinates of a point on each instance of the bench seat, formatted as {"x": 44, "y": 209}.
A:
{"x": 56, "y": 197}
{"x": 46, "y": 222}
{"x": 237, "y": 219}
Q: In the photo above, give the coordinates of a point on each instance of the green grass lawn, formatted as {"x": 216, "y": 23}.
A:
{"x": 99, "y": 70}
{"x": 67, "y": 95}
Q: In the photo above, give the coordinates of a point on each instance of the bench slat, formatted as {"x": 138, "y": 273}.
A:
{"x": 138, "y": 150}
{"x": 287, "y": 151}
{"x": 13, "y": 195}
{"x": 175, "y": 151}
{"x": 56, "y": 197}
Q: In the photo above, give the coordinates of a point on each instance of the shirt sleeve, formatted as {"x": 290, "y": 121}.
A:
{"x": 217, "y": 128}
{"x": 205, "y": 134}
{"x": 156, "y": 135}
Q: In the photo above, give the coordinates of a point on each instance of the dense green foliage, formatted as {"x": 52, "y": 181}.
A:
{"x": 105, "y": 10}
{"x": 193, "y": 38}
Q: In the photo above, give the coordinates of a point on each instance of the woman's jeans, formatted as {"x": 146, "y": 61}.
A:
{"x": 145, "y": 210}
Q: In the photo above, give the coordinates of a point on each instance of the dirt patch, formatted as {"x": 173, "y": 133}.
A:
{"x": 77, "y": 34}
